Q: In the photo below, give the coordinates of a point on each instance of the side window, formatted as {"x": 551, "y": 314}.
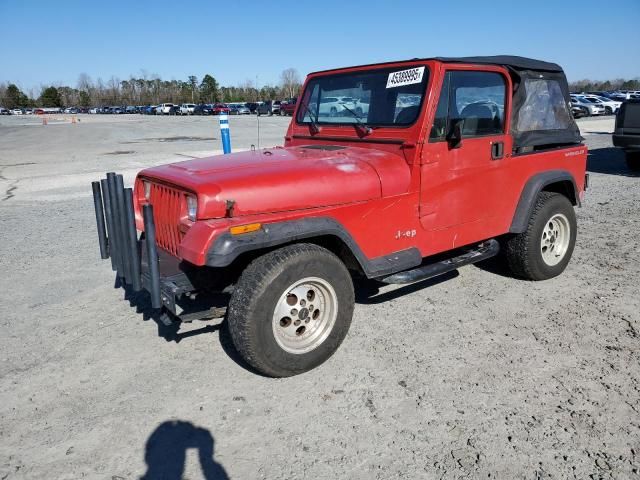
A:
{"x": 477, "y": 98}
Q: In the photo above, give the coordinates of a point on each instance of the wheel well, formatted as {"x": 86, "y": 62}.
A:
{"x": 331, "y": 242}
{"x": 339, "y": 248}
{"x": 563, "y": 187}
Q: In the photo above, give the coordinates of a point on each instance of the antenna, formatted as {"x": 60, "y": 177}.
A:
{"x": 258, "y": 122}
{"x": 257, "y": 113}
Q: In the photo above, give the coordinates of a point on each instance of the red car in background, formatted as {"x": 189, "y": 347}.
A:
{"x": 287, "y": 107}
{"x": 219, "y": 108}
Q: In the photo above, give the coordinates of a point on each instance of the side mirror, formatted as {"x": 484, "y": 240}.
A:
{"x": 454, "y": 137}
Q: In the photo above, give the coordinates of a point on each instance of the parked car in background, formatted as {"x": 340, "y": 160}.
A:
{"x": 16, "y": 111}
{"x": 252, "y": 106}
{"x": 149, "y": 110}
{"x": 4, "y": 111}
{"x": 627, "y": 133}
{"x": 331, "y": 106}
{"x": 268, "y": 107}
{"x": 361, "y": 107}
{"x": 219, "y": 108}
{"x": 28, "y": 111}
{"x": 174, "y": 110}
{"x": 593, "y": 108}
{"x": 130, "y": 109}
{"x": 287, "y": 107}
{"x": 164, "y": 108}
{"x": 187, "y": 108}
{"x": 71, "y": 110}
{"x": 578, "y": 112}
{"x": 203, "y": 109}
{"x": 611, "y": 107}
{"x": 239, "y": 109}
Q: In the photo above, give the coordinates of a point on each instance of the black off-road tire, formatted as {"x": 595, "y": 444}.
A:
{"x": 633, "y": 161}
{"x": 523, "y": 251}
{"x": 250, "y": 315}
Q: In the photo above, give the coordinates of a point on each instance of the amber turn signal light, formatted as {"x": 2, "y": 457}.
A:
{"x": 240, "y": 229}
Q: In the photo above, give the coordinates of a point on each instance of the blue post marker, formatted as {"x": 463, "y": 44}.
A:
{"x": 224, "y": 131}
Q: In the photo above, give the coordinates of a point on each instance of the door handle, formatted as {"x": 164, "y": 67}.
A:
{"x": 497, "y": 150}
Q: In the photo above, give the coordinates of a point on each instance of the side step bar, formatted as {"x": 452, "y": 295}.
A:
{"x": 485, "y": 250}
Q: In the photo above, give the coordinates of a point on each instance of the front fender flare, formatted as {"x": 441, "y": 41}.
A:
{"x": 227, "y": 247}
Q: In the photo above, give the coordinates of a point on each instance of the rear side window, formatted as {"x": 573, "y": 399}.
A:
{"x": 544, "y": 107}
{"x": 476, "y": 98}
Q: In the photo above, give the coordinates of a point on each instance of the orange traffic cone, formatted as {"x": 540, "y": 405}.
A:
{"x": 73, "y": 119}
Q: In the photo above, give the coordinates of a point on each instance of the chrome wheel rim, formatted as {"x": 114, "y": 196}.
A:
{"x": 555, "y": 239}
{"x": 305, "y": 315}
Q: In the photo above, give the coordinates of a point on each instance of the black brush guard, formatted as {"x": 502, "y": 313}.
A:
{"x": 136, "y": 260}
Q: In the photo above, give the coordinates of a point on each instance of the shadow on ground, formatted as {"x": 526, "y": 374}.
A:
{"x": 166, "y": 452}
{"x": 609, "y": 161}
{"x": 367, "y": 292}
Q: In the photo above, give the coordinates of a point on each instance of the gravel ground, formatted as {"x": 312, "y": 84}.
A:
{"x": 479, "y": 376}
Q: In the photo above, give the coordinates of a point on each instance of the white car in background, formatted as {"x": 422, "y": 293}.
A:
{"x": 187, "y": 108}
{"x": 361, "y": 107}
{"x": 611, "y": 107}
{"x": 592, "y": 107}
{"x": 334, "y": 106}
{"x": 164, "y": 108}
{"x": 16, "y": 111}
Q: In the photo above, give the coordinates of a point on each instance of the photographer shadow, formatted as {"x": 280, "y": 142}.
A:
{"x": 166, "y": 451}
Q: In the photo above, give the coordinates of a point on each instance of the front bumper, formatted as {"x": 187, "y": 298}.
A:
{"x": 136, "y": 260}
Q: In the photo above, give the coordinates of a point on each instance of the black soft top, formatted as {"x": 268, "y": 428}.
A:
{"x": 510, "y": 61}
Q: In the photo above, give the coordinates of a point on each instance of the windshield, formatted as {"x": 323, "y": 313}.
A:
{"x": 384, "y": 97}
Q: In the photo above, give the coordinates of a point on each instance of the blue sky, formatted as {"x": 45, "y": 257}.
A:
{"x": 43, "y": 42}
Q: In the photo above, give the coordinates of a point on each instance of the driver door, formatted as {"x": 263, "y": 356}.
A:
{"x": 461, "y": 179}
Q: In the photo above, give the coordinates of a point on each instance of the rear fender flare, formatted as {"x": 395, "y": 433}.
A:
{"x": 532, "y": 188}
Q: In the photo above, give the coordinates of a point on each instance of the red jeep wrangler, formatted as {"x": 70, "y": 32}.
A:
{"x": 397, "y": 172}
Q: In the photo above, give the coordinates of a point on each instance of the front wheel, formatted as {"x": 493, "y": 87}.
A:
{"x": 544, "y": 249}
{"x": 291, "y": 309}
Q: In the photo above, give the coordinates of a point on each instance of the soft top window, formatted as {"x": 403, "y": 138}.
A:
{"x": 544, "y": 107}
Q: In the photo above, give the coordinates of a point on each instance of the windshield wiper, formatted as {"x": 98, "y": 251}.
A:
{"x": 314, "y": 123}
{"x": 365, "y": 129}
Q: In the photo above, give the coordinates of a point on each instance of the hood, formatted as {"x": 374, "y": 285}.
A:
{"x": 285, "y": 179}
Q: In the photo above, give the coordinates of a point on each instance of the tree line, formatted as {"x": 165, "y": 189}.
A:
{"x": 147, "y": 90}
{"x": 605, "y": 86}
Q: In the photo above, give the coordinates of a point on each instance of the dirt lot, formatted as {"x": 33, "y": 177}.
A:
{"x": 479, "y": 376}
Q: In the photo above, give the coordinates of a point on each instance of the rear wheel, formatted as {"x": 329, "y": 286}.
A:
{"x": 633, "y": 161}
{"x": 544, "y": 249}
{"x": 608, "y": 111}
{"x": 291, "y": 309}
